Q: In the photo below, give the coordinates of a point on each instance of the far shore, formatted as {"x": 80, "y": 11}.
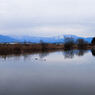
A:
{"x": 18, "y": 48}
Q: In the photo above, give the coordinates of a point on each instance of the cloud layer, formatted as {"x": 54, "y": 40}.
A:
{"x": 47, "y": 17}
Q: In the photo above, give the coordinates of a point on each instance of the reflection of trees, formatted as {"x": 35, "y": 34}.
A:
{"x": 71, "y": 53}
{"x": 93, "y": 52}
{"x": 43, "y": 54}
{"x": 26, "y": 56}
{"x": 3, "y": 56}
{"x": 81, "y": 52}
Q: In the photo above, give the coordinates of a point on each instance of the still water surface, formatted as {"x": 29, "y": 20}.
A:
{"x": 56, "y": 73}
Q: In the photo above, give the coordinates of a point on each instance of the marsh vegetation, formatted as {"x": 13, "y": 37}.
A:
{"x": 69, "y": 44}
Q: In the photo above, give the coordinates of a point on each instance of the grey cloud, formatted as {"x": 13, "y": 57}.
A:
{"x": 38, "y": 16}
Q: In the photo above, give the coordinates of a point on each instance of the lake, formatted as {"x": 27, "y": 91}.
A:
{"x": 56, "y": 73}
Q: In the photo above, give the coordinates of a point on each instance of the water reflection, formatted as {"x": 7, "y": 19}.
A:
{"x": 43, "y": 54}
{"x": 29, "y": 75}
{"x": 81, "y": 52}
{"x": 72, "y": 53}
{"x": 93, "y": 52}
{"x": 67, "y": 54}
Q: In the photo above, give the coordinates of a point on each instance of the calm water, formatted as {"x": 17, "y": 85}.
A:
{"x": 56, "y": 73}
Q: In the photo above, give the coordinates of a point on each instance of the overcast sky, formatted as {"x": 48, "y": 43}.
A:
{"x": 47, "y": 17}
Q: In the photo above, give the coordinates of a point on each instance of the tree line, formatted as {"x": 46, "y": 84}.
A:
{"x": 70, "y": 43}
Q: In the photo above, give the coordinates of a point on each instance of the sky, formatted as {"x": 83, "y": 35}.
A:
{"x": 47, "y": 17}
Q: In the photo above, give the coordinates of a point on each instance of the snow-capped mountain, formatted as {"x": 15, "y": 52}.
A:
{"x": 56, "y": 39}
{"x": 39, "y": 39}
{"x": 7, "y": 39}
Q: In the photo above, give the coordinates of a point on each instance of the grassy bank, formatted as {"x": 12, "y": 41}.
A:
{"x": 30, "y": 48}
{"x": 27, "y": 48}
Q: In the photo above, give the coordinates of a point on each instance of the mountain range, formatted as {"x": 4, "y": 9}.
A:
{"x": 56, "y": 39}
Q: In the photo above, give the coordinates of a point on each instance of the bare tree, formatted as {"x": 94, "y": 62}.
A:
{"x": 43, "y": 45}
{"x": 68, "y": 43}
{"x": 82, "y": 44}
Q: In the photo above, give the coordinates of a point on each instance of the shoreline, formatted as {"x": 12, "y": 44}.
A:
{"x": 36, "y": 48}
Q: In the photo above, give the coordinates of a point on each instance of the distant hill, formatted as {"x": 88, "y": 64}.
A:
{"x": 7, "y": 39}
{"x": 38, "y": 39}
{"x": 57, "y": 39}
